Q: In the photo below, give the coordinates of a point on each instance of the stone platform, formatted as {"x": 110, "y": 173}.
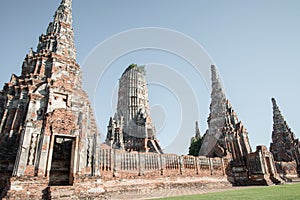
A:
{"x": 91, "y": 188}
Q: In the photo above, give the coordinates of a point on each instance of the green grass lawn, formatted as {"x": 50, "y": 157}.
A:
{"x": 284, "y": 192}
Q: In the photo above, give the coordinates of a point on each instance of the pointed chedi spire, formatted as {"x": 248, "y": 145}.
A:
{"x": 216, "y": 119}
{"x": 196, "y": 142}
{"x": 226, "y": 136}
{"x": 64, "y": 12}
{"x": 67, "y": 3}
{"x": 283, "y": 139}
{"x": 59, "y": 36}
{"x": 217, "y": 106}
{"x": 280, "y": 124}
{"x": 217, "y": 93}
{"x": 197, "y": 130}
{"x": 223, "y": 123}
{"x": 30, "y": 52}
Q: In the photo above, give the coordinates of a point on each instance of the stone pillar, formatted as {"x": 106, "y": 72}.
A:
{"x": 24, "y": 149}
{"x": 141, "y": 163}
{"x": 181, "y": 163}
{"x": 162, "y": 163}
{"x": 223, "y": 166}
{"x": 44, "y": 151}
{"x": 16, "y": 165}
{"x": 50, "y": 156}
{"x": 96, "y": 155}
{"x": 197, "y": 165}
{"x": 262, "y": 162}
{"x": 89, "y": 156}
{"x": 73, "y": 159}
{"x": 211, "y": 167}
{"x": 76, "y": 157}
{"x": 115, "y": 163}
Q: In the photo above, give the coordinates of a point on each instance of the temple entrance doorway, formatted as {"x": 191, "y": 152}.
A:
{"x": 60, "y": 172}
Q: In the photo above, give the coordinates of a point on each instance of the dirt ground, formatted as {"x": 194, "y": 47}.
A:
{"x": 164, "y": 187}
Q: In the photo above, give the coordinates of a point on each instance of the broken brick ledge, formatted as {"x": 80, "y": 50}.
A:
{"x": 95, "y": 188}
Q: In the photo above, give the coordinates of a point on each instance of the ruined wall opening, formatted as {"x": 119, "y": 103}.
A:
{"x": 61, "y": 167}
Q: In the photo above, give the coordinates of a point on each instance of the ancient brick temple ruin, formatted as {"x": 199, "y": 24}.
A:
{"x": 285, "y": 146}
{"x": 47, "y": 127}
{"x": 196, "y": 141}
{"x": 131, "y": 128}
{"x": 50, "y": 146}
{"x": 227, "y": 137}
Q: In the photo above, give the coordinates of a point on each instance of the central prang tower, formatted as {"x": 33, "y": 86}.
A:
{"x": 131, "y": 128}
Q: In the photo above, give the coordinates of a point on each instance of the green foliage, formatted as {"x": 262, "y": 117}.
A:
{"x": 195, "y": 146}
{"x": 277, "y": 192}
{"x": 132, "y": 66}
{"x": 140, "y": 68}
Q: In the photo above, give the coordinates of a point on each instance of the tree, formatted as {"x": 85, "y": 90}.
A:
{"x": 195, "y": 146}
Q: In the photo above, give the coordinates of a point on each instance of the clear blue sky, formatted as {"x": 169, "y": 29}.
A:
{"x": 255, "y": 45}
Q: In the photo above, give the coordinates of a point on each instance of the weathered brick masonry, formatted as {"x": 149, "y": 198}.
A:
{"x": 131, "y": 128}
{"x": 47, "y": 128}
{"x": 227, "y": 137}
{"x": 285, "y": 146}
{"x": 50, "y": 147}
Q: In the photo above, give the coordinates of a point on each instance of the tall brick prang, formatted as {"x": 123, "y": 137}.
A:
{"x": 47, "y": 127}
{"x": 131, "y": 128}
